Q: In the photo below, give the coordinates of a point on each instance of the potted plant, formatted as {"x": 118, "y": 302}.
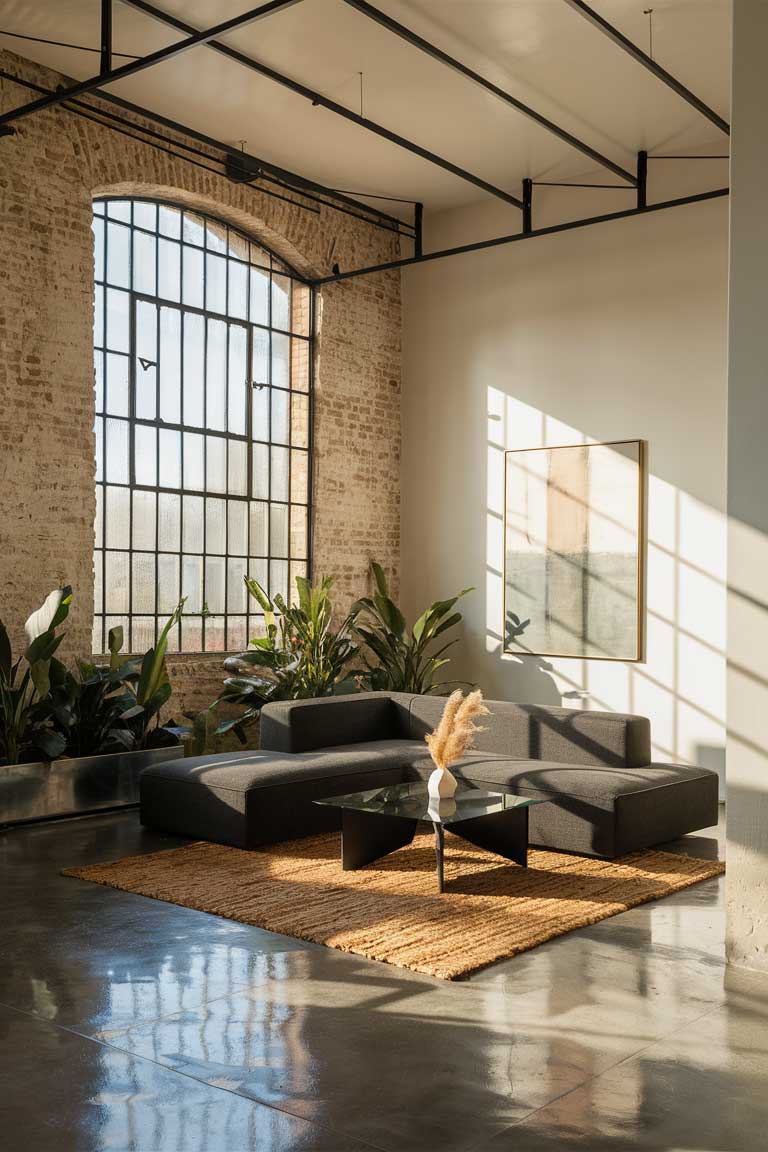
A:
{"x": 75, "y": 741}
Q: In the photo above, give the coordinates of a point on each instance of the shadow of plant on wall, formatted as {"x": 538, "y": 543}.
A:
{"x": 681, "y": 684}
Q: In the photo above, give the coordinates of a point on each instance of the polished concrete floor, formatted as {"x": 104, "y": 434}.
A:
{"x": 132, "y": 1025}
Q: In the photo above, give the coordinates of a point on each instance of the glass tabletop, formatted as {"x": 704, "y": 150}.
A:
{"x": 413, "y": 801}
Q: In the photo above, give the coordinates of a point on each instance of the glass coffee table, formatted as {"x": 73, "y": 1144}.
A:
{"x": 381, "y": 820}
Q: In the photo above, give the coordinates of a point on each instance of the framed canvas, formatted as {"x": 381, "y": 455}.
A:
{"x": 574, "y": 551}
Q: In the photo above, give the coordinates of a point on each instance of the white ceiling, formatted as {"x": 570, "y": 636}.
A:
{"x": 541, "y": 51}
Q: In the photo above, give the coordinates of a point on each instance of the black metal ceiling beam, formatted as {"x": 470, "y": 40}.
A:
{"x": 317, "y": 99}
{"x": 648, "y": 62}
{"x": 106, "y": 36}
{"x": 437, "y": 54}
{"x": 498, "y": 241}
{"x": 135, "y": 66}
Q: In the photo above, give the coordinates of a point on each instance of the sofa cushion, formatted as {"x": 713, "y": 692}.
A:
{"x": 325, "y": 722}
{"x": 565, "y": 735}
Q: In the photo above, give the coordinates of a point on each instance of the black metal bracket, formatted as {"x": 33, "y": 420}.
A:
{"x": 418, "y": 224}
{"x": 106, "y": 37}
{"x": 642, "y": 179}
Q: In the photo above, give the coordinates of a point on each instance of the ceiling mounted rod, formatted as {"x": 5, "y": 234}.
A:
{"x": 647, "y": 62}
{"x": 498, "y": 241}
{"x": 135, "y": 66}
{"x": 437, "y": 54}
{"x": 317, "y": 99}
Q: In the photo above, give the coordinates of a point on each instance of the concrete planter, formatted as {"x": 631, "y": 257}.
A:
{"x": 45, "y": 790}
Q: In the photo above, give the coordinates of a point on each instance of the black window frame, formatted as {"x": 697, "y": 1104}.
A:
{"x": 277, "y": 572}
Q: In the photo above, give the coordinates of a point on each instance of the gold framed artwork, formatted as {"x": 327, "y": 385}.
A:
{"x": 574, "y": 551}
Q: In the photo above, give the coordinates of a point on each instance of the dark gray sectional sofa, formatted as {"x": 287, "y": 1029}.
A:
{"x": 605, "y": 797}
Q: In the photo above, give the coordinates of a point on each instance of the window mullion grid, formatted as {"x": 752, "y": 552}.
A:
{"x": 270, "y": 589}
{"x": 203, "y": 614}
{"x": 158, "y": 371}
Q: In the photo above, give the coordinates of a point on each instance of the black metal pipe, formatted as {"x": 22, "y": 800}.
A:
{"x": 436, "y": 53}
{"x": 527, "y": 205}
{"x": 642, "y": 179}
{"x": 647, "y": 62}
{"x": 158, "y": 57}
{"x": 106, "y": 37}
{"x": 418, "y": 224}
{"x": 498, "y": 241}
{"x": 317, "y": 99}
{"x": 573, "y": 184}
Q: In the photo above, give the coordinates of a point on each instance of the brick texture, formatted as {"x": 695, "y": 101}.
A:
{"x": 49, "y": 172}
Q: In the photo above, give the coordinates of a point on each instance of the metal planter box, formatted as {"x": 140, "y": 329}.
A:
{"x": 45, "y": 790}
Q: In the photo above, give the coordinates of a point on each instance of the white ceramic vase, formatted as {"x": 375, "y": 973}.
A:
{"x": 441, "y": 784}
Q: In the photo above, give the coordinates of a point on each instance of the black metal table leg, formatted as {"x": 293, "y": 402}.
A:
{"x": 366, "y": 836}
{"x": 505, "y": 833}
{"x": 440, "y": 854}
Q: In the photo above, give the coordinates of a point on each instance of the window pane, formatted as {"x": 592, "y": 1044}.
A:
{"x": 194, "y": 229}
{"x": 191, "y": 634}
{"x": 98, "y": 435}
{"x": 98, "y": 317}
{"x": 145, "y": 454}
{"x": 281, "y": 302}
{"x": 237, "y": 633}
{"x": 98, "y": 249}
{"x": 168, "y": 522}
{"x": 119, "y": 210}
{"x": 117, "y": 384}
{"x": 146, "y": 360}
{"x": 116, "y": 581}
{"x": 300, "y": 477}
{"x": 238, "y": 373}
{"x": 237, "y": 528}
{"x": 237, "y": 595}
{"x": 117, "y": 320}
{"x": 170, "y": 365}
{"x": 167, "y": 583}
{"x": 298, "y": 532}
{"x": 280, "y": 474}
{"x": 280, "y": 405}
{"x": 194, "y": 461}
{"x": 300, "y": 354}
{"x": 278, "y": 530}
{"x": 260, "y": 429}
{"x": 299, "y": 420}
{"x": 278, "y": 578}
{"x": 144, "y": 520}
{"x": 238, "y": 290}
{"x": 193, "y": 524}
{"x": 192, "y": 583}
{"x": 259, "y": 303}
{"x": 259, "y": 522}
{"x": 143, "y": 584}
{"x": 143, "y": 633}
{"x": 216, "y": 375}
{"x": 145, "y": 214}
{"x": 216, "y": 527}
{"x": 169, "y": 269}
{"x": 144, "y": 263}
{"x": 170, "y": 459}
{"x": 215, "y": 283}
{"x": 260, "y": 362}
{"x": 238, "y": 245}
{"x": 193, "y": 262}
{"x": 169, "y": 221}
{"x": 238, "y": 468}
{"x": 194, "y": 369}
{"x": 215, "y": 640}
{"x": 216, "y": 236}
{"x": 98, "y": 380}
{"x": 116, "y": 452}
{"x": 260, "y": 479}
{"x": 216, "y": 463}
{"x": 281, "y": 367}
{"x": 98, "y": 523}
{"x": 118, "y": 255}
{"x": 214, "y": 583}
{"x": 117, "y": 517}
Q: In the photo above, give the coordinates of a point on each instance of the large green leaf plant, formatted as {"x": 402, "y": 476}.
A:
{"x": 302, "y": 654}
{"x": 27, "y": 727}
{"x": 400, "y": 658}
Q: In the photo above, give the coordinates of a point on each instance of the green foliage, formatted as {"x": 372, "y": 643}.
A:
{"x": 301, "y": 656}
{"x": 404, "y": 659}
{"x": 27, "y": 730}
{"x": 148, "y": 682}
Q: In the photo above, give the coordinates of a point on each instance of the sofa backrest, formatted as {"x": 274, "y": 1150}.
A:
{"x": 561, "y": 735}
{"x": 327, "y": 721}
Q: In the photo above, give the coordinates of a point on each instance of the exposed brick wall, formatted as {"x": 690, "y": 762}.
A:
{"x": 49, "y": 172}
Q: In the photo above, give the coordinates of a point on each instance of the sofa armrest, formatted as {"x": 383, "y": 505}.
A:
{"x": 324, "y": 722}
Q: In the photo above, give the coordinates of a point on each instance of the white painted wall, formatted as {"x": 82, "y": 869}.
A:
{"x": 612, "y": 332}
{"x": 747, "y": 878}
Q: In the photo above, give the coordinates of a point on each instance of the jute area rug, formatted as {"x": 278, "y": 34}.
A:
{"x": 391, "y": 910}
